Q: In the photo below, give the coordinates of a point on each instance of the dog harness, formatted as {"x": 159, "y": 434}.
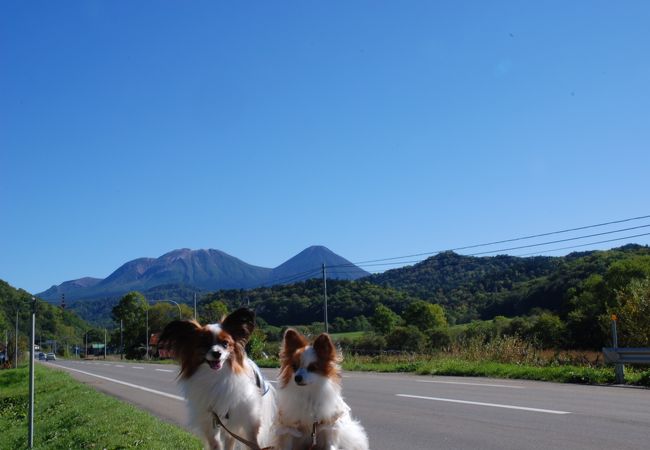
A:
{"x": 260, "y": 381}
{"x": 264, "y": 386}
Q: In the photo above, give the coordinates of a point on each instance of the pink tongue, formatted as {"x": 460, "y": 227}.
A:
{"x": 216, "y": 365}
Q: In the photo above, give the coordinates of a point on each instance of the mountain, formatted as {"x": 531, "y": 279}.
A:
{"x": 308, "y": 264}
{"x": 470, "y": 287}
{"x": 202, "y": 270}
{"x": 67, "y": 287}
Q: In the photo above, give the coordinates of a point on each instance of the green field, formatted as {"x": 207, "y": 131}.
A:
{"x": 70, "y": 415}
{"x": 351, "y": 335}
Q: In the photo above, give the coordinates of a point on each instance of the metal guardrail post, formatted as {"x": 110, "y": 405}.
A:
{"x": 619, "y": 369}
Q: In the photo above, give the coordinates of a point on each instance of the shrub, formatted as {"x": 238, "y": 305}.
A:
{"x": 407, "y": 339}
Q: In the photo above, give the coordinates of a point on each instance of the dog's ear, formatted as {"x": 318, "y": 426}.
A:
{"x": 324, "y": 348}
{"x": 177, "y": 335}
{"x": 291, "y": 342}
{"x": 240, "y": 324}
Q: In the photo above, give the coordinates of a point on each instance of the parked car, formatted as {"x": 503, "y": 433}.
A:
{"x": 50, "y": 357}
{"x": 41, "y": 356}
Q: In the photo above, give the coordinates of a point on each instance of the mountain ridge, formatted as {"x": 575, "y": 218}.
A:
{"x": 203, "y": 269}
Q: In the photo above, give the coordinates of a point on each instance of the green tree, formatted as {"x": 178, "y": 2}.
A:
{"x": 409, "y": 339}
{"x": 384, "y": 320}
{"x": 439, "y": 337}
{"x": 213, "y": 312}
{"x": 160, "y": 314}
{"x": 131, "y": 310}
{"x": 548, "y": 331}
{"x": 255, "y": 346}
{"x": 633, "y": 314}
{"x": 424, "y": 315}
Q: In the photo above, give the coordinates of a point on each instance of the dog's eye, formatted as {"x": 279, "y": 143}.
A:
{"x": 295, "y": 367}
{"x": 312, "y": 367}
{"x": 223, "y": 343}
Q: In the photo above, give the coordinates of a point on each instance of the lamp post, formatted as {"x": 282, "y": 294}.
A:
{"x": 31, "y": 375}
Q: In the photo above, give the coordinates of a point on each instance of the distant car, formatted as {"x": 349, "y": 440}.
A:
{"x": 50, "y": 357}
{"x": 41, "y": 356}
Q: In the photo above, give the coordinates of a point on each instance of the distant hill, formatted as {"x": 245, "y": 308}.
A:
{"x": 482, "y": 287}
{"x": 201, "y": 270}
{"x": 52, "y": 324}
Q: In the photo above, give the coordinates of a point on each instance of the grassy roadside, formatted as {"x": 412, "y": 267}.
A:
{"x": 70, "y": 415}
{"x": 460, "y": 367}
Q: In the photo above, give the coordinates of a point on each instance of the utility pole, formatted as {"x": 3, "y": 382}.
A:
{"x": 195, "y": 306}
{"x": 147, "y": 332}
{"x": 121, "y": 339}
{"x": 16, "y": 343}
{"x": 31, "y": 375}
{"x": 104, "y": 343}
{"x": 325, "y": 293}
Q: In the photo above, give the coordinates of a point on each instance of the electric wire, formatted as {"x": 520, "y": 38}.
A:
{"x": 507, "y": 240}
{"x": 394, "y": 260}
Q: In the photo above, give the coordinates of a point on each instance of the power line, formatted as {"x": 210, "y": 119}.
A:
{"x": 506, "y": 240}
{"x": 380, "y": 262}
{"x": 584, "y": 245}
{"x": 561, "y": 240}
{"x": 535, "y": 245}
{"x": 290, "y": 278}
{"x": 363, "y": 264}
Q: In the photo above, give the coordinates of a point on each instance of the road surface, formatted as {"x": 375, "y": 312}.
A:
{"x": 402, "y": 411}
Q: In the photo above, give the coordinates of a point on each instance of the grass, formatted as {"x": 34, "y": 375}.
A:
{"x": 351, "y": 335}
{"x": 429, "y": 365}
{"x": 503, "y": 357}
{"x": 459, "y": 367}
{"x": 70, "y": 415}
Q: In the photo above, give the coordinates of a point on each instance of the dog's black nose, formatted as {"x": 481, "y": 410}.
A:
{"x": 298, "y": 378}
{"x": 216, "y": 354}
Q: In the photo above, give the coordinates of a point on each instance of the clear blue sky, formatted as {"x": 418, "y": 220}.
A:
{"x": 377, "y": 129}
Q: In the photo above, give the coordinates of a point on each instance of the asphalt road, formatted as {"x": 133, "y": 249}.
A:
{"x": 422, "y": 412}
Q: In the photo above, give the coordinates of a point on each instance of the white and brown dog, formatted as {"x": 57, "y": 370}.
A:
{"x": 217, "y": 378}
{"x": 311, "y": 411}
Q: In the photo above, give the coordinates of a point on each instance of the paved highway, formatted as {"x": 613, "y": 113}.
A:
{"x": 417, "y": 412}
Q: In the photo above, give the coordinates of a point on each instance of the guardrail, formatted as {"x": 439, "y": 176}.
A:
{"x": 621, "y": 355}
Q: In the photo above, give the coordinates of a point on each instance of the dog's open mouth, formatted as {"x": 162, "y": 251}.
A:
{"x": 214, "y": 365}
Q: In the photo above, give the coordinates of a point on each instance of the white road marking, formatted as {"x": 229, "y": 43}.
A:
{"x": 135, "y": 386}
{"x": 494, "y": 405}
{"x": 117, "y": 365}
{"x": 164, "y": 370}
{"x": 471, "y": 384}
{"x": 135, "y": 367}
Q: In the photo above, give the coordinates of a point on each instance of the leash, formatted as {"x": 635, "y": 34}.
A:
{"x": 314, "y": 432}
{"x": 264, "y": 387}
{"x": 216, "y": 420}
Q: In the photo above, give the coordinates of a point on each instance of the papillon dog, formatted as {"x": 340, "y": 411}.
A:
{"x": 217, "y": 378}
{"x": 311, "y": 411}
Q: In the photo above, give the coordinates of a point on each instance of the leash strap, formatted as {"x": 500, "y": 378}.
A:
{"x": 218, "y": 423}
{"x": 313, "y": 436}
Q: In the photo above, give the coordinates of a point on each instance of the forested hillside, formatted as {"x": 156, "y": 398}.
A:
{"x": 302, "y": 303}
{"x": 52, "y": 323}
{"x": 575, "y": 293}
